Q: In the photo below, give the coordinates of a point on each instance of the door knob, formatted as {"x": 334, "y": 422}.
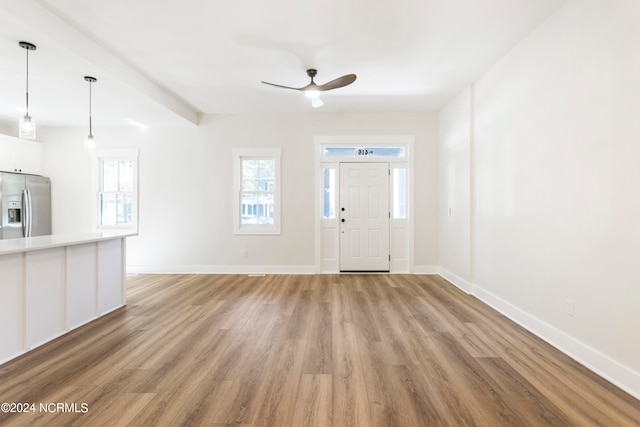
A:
{"x": 342, "y": 209}
{"x": 342, "y": 220}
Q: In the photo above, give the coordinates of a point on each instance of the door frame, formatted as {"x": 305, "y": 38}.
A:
{"x": 327, "y": 255}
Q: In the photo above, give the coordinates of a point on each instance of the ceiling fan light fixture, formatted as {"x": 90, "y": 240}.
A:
{"x": 312, "y": 90}
{"x": 312, "y": 93}
{"x": 26, "y": 125}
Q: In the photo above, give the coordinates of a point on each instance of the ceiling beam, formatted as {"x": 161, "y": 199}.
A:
{"x": 52, "y": 26}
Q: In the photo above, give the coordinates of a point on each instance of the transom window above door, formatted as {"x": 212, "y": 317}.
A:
{"x": 364, "y": 152}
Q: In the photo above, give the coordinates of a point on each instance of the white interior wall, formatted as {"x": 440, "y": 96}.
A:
{"x": 455, "y": 191}
{"x": 556, "y": 196}
{"x": 7, "y": 129}
{"x": 186, "y": 187}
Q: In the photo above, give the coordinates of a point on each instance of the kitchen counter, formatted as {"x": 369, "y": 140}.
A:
{"x": 50, "y": 285}
{"x": 26, "y": 244}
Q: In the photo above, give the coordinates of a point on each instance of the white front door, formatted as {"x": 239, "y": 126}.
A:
{"x": 364, "y": 216}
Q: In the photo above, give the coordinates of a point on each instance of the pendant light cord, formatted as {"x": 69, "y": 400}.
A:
{"x": 27, "y": 82}
{"x": 90, "y": 129}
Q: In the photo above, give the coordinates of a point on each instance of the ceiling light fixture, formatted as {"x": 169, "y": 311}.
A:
{"x": 314, "y": 95}
{"x": 90, "y": 143}
{"x": 27, "y": 126}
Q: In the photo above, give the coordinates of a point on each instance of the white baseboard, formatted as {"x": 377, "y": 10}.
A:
{"x": 459, "y": 282}
{"x": 247, "y": 269}
{"x": 220, "y": 269}
{"x": 603, "y": 365}
{"x": 426, "y": 269}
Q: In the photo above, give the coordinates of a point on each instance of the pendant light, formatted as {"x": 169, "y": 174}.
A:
{"x": 90, "y": 143}
{"x": 27, "y": 126}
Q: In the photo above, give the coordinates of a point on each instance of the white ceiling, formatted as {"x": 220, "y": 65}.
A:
{"x": 163, "y": 62}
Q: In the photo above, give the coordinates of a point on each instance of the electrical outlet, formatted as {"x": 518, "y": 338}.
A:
{"x": 568, "y": 307}
{"x": 245, "y": 253}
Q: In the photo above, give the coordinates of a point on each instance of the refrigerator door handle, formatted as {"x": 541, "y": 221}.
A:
{"x": 25, "y": 202}
{"x": 29, "y": 213}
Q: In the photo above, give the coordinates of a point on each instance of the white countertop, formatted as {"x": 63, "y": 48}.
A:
{"x": 26, "y": 244}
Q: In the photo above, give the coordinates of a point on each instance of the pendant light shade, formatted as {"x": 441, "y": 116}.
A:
{"x": 27, "y": 126}
{"x": 90, "y": 143}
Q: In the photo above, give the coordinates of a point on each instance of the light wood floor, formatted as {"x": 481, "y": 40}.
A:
{"x": 342, "y": 350}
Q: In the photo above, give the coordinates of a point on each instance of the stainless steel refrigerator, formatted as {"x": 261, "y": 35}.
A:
{"x": 25, "y": 201}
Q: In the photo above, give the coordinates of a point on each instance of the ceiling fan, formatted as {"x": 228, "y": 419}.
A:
{"x": 312, "y": 90}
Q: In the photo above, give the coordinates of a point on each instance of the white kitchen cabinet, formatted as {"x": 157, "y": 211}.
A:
{"x": 81, "y": 284}
{"x": 44, "y": 284}
{"x": 11, "y": 302}
{"x": 52, "y": 284}
{"x": 20, "y": 155}
{"x": 111, "y": 271}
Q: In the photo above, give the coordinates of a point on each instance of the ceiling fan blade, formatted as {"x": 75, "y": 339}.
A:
{"x": 285, "y": 87}
{"x": 339, "y": 82}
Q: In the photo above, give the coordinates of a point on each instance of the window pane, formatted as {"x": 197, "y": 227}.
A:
{"x": 257, "y": 209}
{"x": 266, "y": 169}
{"x": 328, "y": 193}
{"x": 381, "y": 152}
{"x": 250, "y": 175}
{"x": 109, "y": 175}
{"x": 265, "y": 209}
{"x": 249, "y": 205}
{"x": 107, "y": 209}
{"x": 338, "y": 152}
{"x": 266, "y": 174}
{"x": 124, "y": 205}
{"x": 125, "y": 174}
{"x": 399, "y": 177}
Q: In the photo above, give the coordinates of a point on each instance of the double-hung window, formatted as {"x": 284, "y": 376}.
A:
{"x": 116, "y": 189}
{"x": 257, "y": 191}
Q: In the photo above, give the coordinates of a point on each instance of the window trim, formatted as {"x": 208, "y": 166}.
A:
{"x": 96, "y": 186}
{"x": 257, "y": 154}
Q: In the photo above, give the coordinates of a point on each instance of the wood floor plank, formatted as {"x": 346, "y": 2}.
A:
{"x": 282, "y": 385}
{"x": 350, "y": 398}
{"x": 291, "y": 350}
{"x": 427, "y": 401}
{"x": 202, "y": 404}
{"x": 251, "y": 378}
{"x": 363, "y": 316}
{"x": 397, "y": 327}
{"x": 383, "y": 388}
{"x": 534, "y": 407}
{"x": 298, "y": 325}
{"x": 585, "y": 399}
{"x": 313, "y": 405}
{"x": 318, "y": 355}
{"x": 121, "y": 410}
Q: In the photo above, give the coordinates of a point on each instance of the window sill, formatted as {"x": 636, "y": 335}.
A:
{"x": 257, "y": 231}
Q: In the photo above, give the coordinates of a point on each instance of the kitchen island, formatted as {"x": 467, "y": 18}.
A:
{"x": 50, "y": 285}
